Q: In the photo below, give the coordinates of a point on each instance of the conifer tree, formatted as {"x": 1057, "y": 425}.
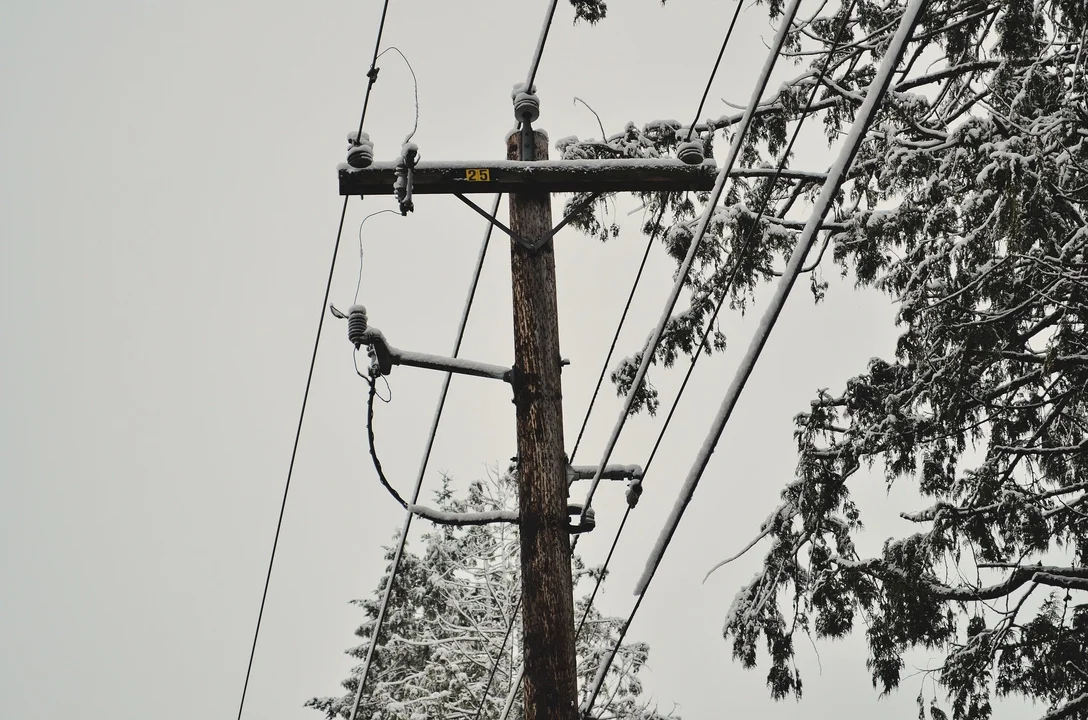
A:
{"x": 967, "y": 206}
{"x": 447, "y": 621}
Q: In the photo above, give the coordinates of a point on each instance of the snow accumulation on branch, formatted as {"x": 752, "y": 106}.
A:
{"x": 1067, "y": 577}
{"x": 441, "y": 517}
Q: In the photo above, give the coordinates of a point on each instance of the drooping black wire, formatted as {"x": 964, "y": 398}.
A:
{"x": 706, "y": 334}
{"x": 372, "y": 75}
{"x": 291, "y": 465}
{"x": 710, "y": 80}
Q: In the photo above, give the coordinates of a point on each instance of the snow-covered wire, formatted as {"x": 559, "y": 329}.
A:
{"x": 750, "y": 235}
{"x": 379, "y": 621}
{"x": 797, "y": 267}
{"x": 835, "y": 177}
{"x": 685, "y": 266}
{"x": 539, "y": 52}
{"x": 714, "y": 71}
{"x": 359, "y": 283}
{"x": 415, "y": 86}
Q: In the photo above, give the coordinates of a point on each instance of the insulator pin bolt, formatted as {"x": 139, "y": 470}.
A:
{"x": 360, "y": 150}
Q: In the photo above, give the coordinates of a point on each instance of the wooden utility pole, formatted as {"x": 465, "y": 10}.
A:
{"x": 547, "y": 592}
{"x": 550, "y": 664}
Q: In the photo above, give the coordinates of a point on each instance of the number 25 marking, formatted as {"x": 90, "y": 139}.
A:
{"x": 478, "y": 174}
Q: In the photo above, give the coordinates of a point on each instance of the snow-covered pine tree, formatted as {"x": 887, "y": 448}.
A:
{"x": 967, "y": 206}
{"x": 447, "y": 619}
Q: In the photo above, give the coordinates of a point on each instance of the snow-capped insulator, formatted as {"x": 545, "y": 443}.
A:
{"x": 360, "y": 150}
{"x": 690, "y": 152}
{"x": 526, "y": 107}
{"x": 357, "y": 325}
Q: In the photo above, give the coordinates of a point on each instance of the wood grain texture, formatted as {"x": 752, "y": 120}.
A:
{"x": 547, "y": 593}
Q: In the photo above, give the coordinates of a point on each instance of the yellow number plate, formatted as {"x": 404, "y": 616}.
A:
{"x": 478, "y": 174}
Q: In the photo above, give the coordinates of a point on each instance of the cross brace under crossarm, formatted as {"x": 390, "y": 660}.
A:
{"x": 553, "y": 176}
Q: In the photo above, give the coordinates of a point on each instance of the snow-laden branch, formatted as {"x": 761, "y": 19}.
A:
{"x": 1071, "y": 708}
{"x": 1068, "y": 577}
{"x": 441, "y": 517}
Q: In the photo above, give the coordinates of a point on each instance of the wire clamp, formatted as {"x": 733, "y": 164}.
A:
{"x": 409, "y": 156}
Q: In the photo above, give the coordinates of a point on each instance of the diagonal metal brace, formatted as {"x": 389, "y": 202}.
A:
{"x": 539, "y": 243}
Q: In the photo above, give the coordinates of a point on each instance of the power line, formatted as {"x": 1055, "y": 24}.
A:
{"x": 616, "y": 336}
{"x": 877, "y": 90}
{"x": 574, "y": 452}
{"x": 738, "y": 256}
{"x": 291, "y": 465}
{"x": 372, "y": 75}
{"x": 544, "y": 30}
{"x": 682, "y": 273}
{"x": 750, "y": 235}
{"x": 835, "y": 177}
{"x": 710, "y": 80}
{"x": 423, "y": 464}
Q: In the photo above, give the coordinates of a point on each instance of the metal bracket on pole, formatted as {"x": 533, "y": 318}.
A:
{"x": 632, "y": 473}
{"x": 527, "y": 243}
{"x": 611, "y": 472}
{"x": 384, "y": 356}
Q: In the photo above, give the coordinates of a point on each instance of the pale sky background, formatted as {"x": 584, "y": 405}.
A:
{"x": 169, "y": 205}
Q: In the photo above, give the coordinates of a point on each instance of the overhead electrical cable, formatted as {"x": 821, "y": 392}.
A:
{"x": 875, "y": 94}
{"x": 714, "y": 71}
{"x": 379, "y": 621}
{"x": 539, "y": 52}
{"x": 682, "y": 273}
{"x": 372, "y": 75}
{"x": 616, "y": 335}
{"x": 835, "y": 177}
{"x": 736, "y": 260}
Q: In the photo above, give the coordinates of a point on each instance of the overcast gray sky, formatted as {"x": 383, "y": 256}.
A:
{"x": 169, "y": 208}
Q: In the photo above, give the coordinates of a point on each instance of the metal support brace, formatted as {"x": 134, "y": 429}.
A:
{"x": 527, "y": 243}
{"x": 384, "y": 356}
{"x": 611, "y": 472}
